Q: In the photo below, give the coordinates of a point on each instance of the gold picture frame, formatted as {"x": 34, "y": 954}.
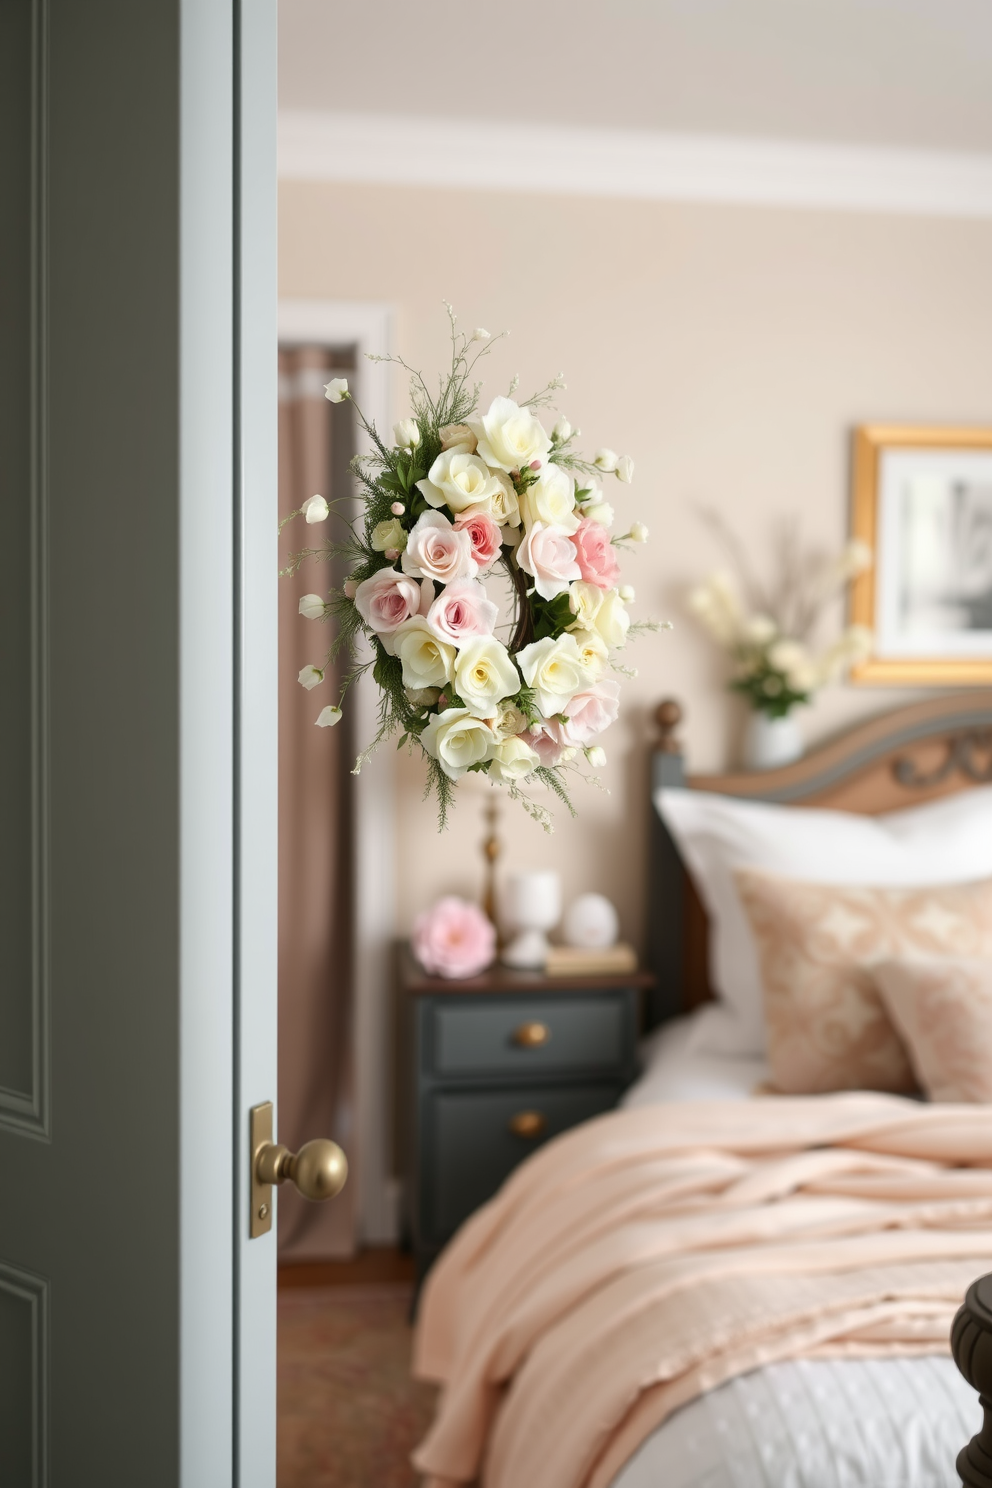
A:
{"x": 885, "y": 457}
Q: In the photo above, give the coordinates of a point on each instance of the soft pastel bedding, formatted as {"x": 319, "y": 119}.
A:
{"x": 658, "y": 1253}
{"x": 675, "y": 1068}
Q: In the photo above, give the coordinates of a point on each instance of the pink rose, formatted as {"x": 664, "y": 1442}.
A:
{"x": 548, "y": 554}
{"x": 387, "y": 599}
{"x": 454, "y": 939}
{"x": 591, "y": 711}
{"x": 548, "y": 738}
{"x": 596, "y": 556}
{"x": 434, "y": 550}
{"x": 484, "y": 534}
{"x": 462, "y": 610}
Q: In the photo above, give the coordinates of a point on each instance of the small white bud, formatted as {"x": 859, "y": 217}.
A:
{"x": 596, "y": 756}
{"x": 350, "y": 588}
{"x": 480, "y": 334}
{"x": 329, "y": 716}
{"x": 599, "y": 511}
{"x": 638, "y": 533}
{"x": 397, "y": 508}
{"x": 625, "y": 469}
{"x": 315, "y": 510}
{"x": 561, "y": 431}
{"x": 567, "y": 755}
{"x": 311, "y": 607}
{"x": 406, "y": 434}
{"x": 310, "y": 676}
{"x": 336, "y": 390}
{"x": 626, "y": 592}
{"x": 606, "y": 459}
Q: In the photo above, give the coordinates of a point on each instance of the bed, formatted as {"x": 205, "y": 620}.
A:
{"x": 805, "y": 1381}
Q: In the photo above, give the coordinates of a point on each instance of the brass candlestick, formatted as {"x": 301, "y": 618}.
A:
{"x": 491, "y": 851}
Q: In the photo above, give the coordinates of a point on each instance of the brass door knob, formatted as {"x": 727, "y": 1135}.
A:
{"x": 531, "y": 1035}
{"x": 319, "y": 1170}
{"x": 528, "y": 1124}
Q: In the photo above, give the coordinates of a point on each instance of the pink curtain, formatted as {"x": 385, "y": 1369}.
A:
{"x": 316, "y": 1072}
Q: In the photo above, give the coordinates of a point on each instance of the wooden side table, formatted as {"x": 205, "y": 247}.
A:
{"x": 497, "y": 1065}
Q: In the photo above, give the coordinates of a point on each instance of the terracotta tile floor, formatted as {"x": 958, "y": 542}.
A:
{"x": 349, "y": 1413}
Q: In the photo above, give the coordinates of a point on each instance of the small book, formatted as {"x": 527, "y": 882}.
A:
{"x": 590, "y": 961}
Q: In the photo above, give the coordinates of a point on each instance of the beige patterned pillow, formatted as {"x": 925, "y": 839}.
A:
{"x": 827, "y": 1026}
{"x": 943, "y": 1010}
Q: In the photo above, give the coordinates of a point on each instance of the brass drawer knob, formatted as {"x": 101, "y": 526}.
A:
{"x": 531, "y": 1035}
{"x": 528, "y": 1124}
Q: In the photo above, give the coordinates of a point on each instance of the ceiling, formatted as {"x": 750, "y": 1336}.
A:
{"x": 906, "y": 73}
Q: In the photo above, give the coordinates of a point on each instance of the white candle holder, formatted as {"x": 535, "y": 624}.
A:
{"x": 531, "y": 906}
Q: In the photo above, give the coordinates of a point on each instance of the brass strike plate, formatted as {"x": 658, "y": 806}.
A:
{"x": 260, "y": 1217}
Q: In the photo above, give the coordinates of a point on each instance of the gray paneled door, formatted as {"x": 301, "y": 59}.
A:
{"x": 137, "y": 739}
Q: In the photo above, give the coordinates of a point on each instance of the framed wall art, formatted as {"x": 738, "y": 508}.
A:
{"x": 922, "y": 500}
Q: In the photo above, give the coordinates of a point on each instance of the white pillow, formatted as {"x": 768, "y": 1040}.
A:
{"x": 945, "y": 841}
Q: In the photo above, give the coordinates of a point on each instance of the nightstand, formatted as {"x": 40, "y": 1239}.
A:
{"x": 496, "y": 1066}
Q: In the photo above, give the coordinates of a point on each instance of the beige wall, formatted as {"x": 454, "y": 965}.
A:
{"x": 729, "y": 350}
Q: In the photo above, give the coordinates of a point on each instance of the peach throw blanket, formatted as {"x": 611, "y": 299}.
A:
{"x": 651, "y": 1254}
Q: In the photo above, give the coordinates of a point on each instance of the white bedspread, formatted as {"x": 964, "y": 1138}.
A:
{"x": 872, "y": 1423}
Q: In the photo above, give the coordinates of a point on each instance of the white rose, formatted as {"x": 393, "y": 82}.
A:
{"x": 513, "y": 759}
{"x": 391, "y": 534}
{"x": 593, "y": 651}
{"x": 507, "y": 720}
{"x": 336, "y": 390}
{"x": 625, "y": 469}
{"x": 504, "y": 507}
{"x": 310, "y": 676}
{"x": 551, "y": 499}
{"x": 484, "y": 674}
{"x": 599, "y": 511}
{"x": 509, "y": 436}
{"x": 561, "y": 431}
{"x": 315, "y": 510}
{"x": 328, "y": 717}
{"x": 458, "y": 480}
{"x": 457, "y": 740}
{"x": 453, "y": 435}
{"x": 612, "y": 620}
{"x": 312, "y": 607}
{"x": 427, "y": 660}
{"x": 436, "y": 550}
{"x": 406, "y": 434}
{"x": 606, "y": 460}
{"x": 553, "y": 668}
{"x": 638, "y": 533}
{"x": 584, "y": 601}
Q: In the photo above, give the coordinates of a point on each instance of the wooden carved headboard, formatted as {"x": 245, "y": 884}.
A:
{"x": 914, "y": 754}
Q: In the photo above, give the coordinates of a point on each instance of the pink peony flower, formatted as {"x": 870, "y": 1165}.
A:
{"x": 548, "y": 554}
{"x": 387, "y": 599}
{"x": 462, "y": 610}
{"x": 484, "y": 533}
{"x": 596, "y": 556}
{"x": 454, "y": 939}
{"x": 435, "y": 550}
{"x": 591, "y": 711}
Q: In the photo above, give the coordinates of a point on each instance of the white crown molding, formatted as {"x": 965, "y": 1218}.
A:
{"x": 387, "y": 149}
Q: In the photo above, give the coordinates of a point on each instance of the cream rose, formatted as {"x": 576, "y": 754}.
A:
{"x": 548, "y": 554}
{"x": 551, "y": 500}
{"x": 612, "y": 620}
{"x": 513, "y": 759}
{"x": 436, "y": 550}
{"x": 553, "y": 668}
{"x": 485, "y": 675}
{"x": 585, "y": 602}
{"x": 457, "y": 480}
{"x": 387, "y": 599}
{"x": 389, "y": 535}
{"x": 592, "y": 649}
{"x": 427, "y": 660}
{"x": 458, "y": 435}
{"x": 456, "y": 739}
{"x": 507, "y": 720}
{"x": 509, "y": 436}
{"x": 461, "y": 612}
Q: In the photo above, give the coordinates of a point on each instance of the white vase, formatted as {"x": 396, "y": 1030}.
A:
{"x": 530, "y": 906}
{"x": 770, "y": 742}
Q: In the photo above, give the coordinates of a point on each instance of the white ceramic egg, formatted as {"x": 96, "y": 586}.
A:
{"x": 591, "y": 922}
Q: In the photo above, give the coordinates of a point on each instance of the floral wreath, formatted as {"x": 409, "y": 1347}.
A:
{"x": 457, "y": 494}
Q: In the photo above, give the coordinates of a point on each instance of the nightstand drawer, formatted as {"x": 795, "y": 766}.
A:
{"x": 477, "y": 1138}
{"x": 525, "y": 1034}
